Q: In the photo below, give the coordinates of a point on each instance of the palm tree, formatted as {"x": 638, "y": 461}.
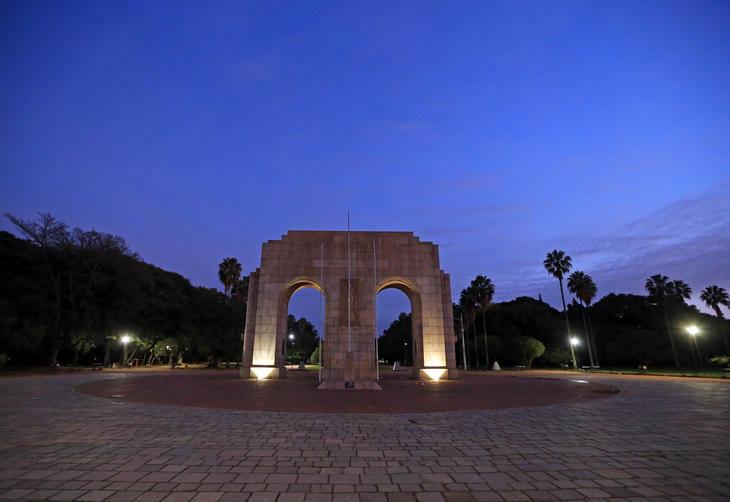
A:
{"x": 714, "y": 296}
{"x": 680, "y": 290}
{"x": 661, "y": 290}
{"x": 468, "y": 307}
{"x": 229, "y": 273}
{"x": 583, "y": 287}
{"x": 588, "y": 295}
{"x": 483, "y": 290}
{"x": 557, "y": 264}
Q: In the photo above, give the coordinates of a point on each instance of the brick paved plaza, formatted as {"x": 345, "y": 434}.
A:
{"x": 657, "y": 440}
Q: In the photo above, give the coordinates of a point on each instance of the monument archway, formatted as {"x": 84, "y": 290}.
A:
{"x": 352, "y": 266}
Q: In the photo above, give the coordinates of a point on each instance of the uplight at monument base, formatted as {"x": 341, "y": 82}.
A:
{"x": 435, "y": 374}
{"x": 262, "y": 372}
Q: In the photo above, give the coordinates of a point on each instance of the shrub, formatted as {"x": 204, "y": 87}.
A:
{"x": 525, "y": 348}
{"x": 720, "y": 361}
{"x": 555, "y": 357}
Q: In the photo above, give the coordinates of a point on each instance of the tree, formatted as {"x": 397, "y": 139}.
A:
{"x": 634, "y": 346}
{"x": 71, "y": 294}
{"x": 557, "y": 264}
{"x": 48, "y": 234}
{"x": 396, "y": 342}
{"x": 483, "y": 292}
{"x": 679, "y": 291}
{"x": 306, "y": 338}
{"x": 468, "y": 303}
{"x": 583, "y": 287}
{"x": 229, "y": 273}
{"x": 239, "y": 290}
{"x": 526, "y": 348}
{"x": 714, "y": 296}
{"x": 661, "y": 291}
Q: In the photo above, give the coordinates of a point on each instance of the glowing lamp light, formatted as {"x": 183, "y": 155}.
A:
{"x": 574, "y": 341}
{"x": 693, "y": 330}
{"x": 126, "y": 339}
{"x": 291, "y": 336}
{"x": 435, "y": 374}
{"x": 262, "y": 372}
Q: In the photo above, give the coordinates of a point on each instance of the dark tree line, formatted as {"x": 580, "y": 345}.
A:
{"x": 69, "y": 295}
{"x": 628, "y": 330}
{"x": 396, "y": 342}
{"x": 305, "y": 341}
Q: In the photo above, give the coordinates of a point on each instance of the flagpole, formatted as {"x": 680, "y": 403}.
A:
{"x": 463, "y": 341}
{"x": 375, "y": 306}
{"x": 321, "y": 317}
{"x": 349, "y": 277}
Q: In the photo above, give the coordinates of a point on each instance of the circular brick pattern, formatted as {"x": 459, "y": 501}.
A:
{"x": 298, "y": 392}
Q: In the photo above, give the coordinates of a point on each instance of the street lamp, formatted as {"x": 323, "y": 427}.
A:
{"x": 125, "y": 340}
{"x": 693, "y": 331}
{"x": 291, "y": 339}
{"x": 574, "y": 342}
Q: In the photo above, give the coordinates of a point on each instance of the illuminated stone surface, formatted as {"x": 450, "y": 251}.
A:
{"x": 665, "y": 440}
{"x": 378, "y": 260}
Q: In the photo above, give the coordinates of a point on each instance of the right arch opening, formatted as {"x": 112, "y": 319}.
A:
{"x": 399, "y": 328}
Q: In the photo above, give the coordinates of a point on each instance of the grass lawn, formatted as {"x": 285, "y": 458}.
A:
{"x": 707, "y": 372}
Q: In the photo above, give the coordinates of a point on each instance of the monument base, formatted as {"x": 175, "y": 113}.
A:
{"x": 436, "y": 374}
{"x": 261, "y": 372}
{"x": 349, "y": 385}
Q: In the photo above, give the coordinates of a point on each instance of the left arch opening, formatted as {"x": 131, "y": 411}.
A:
{"x": 301, "y": 326}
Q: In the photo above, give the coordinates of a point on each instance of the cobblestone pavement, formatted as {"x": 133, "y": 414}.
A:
{"x": 657, "y": 440}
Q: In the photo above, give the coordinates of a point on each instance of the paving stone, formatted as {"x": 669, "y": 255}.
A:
{"x": 614, "y": 448}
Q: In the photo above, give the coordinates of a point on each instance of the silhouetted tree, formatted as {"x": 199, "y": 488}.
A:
{"x": 557, "y": 264}
{"x": 229, "y": 273}
{"x": 714, "y": 296}
{"x": 468, "y": 303}
{"x": 583, "y": 287}
{"x": 396, "y": 342}
{"x": 306, "y": 338}
{"x": 661, "y": 292}
{"x": 483, "y": 291}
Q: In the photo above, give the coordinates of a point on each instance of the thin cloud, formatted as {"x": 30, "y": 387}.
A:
{"x": 688, "y": 239}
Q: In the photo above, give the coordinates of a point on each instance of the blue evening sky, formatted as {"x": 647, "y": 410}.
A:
{"x": 498, "y": 130}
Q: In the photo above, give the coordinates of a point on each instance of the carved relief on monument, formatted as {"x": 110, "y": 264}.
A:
{"x": 354, "y": 311}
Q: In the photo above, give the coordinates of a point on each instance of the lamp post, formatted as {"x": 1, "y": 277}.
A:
{"x": 574, "y": 342}
{"x": 291, "y": 340}
{"x": 125, "y": 340}
{"x": 405, "y": 351}
{"x": 693, "y": 331}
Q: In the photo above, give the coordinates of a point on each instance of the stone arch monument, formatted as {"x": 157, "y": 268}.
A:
{"x": 354, "y": 265}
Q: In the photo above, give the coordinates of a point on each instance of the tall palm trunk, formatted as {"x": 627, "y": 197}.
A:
{"x": 588, "y": 335}
{"x": 593, "y": 338}
{"x": 567, "y": 324}
{"x": 719, "y": 315}
{"x": 486, "y": 344}
{"x": 476, "y": 343}
{"x": 671, "y": 338}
